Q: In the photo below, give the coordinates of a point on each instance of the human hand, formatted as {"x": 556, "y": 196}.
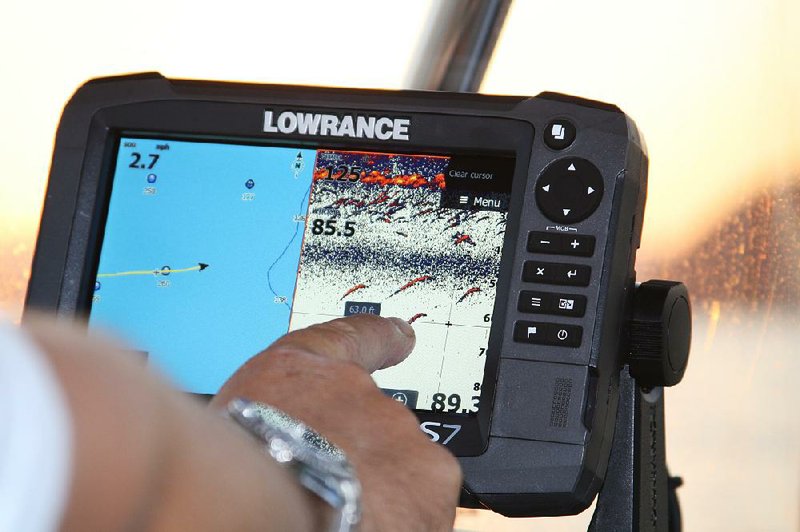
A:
{"x": 320, "y": 375}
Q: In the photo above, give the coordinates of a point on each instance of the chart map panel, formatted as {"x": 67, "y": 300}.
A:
{"x": 412, "y": 236}
{"x": 199, "y": 258}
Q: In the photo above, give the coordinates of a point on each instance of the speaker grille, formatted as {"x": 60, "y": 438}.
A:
{"x": 560, "y": 406}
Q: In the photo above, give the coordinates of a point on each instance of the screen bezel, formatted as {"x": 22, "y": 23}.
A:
{"x": 241, "y": 123}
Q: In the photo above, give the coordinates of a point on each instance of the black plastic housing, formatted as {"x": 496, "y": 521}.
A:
{"x": 540, "y": 443}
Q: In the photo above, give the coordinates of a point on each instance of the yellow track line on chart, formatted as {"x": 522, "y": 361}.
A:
{"x": 161, "y": 271}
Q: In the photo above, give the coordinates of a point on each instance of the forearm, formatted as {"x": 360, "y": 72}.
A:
{"x": 219, "y": 479}
{"x": 146, "y": 457}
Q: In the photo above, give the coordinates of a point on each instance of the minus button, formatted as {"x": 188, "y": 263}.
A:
{"x": 542, "y": 242}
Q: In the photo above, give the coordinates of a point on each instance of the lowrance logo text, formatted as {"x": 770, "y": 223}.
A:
{"x": 359, "y": 127}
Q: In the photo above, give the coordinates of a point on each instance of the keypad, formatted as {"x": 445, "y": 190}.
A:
{"x": 535, "y": 271}
{"x": 573, "y": 305}
{"x": 561, "y": 244}
{"x": 534, "y": 332}
{"x": 569, "y": 190}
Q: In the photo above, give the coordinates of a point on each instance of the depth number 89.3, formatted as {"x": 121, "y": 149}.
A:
{"x": 452, "y": 403}
{"x": 328, "y": 227}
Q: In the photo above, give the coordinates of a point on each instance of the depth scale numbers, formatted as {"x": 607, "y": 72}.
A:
{"x": 343, "y": 173}
{"x": 328, "y": 228}
{"x": 452, "y": 403}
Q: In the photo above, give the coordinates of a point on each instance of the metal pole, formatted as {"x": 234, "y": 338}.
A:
{"x": 458, "y": 44}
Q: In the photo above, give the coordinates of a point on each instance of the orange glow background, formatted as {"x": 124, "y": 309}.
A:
{"x": 714, "y": 86}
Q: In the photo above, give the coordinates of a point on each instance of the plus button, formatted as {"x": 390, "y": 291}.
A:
{"x": 575, "y": 244}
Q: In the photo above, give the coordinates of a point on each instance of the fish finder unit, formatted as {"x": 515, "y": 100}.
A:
{"x": 202, "y": 220}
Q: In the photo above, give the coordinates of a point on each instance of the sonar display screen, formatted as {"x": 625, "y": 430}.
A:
{"x": 211, "y": 251}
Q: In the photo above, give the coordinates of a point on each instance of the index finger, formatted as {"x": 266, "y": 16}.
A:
{"x": 370, "y": 341}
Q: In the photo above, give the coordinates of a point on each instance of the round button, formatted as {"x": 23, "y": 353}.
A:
{"x": 569, "y": 190}
{"x": 559, "y": 134}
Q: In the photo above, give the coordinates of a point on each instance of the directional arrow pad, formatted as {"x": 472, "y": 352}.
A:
{"x": 569, "y": 190}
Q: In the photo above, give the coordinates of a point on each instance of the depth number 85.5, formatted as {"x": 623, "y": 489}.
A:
{"x": 328, "y": 227}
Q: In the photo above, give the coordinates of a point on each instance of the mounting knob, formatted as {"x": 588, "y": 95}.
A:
{"x": 661, "y": 332}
